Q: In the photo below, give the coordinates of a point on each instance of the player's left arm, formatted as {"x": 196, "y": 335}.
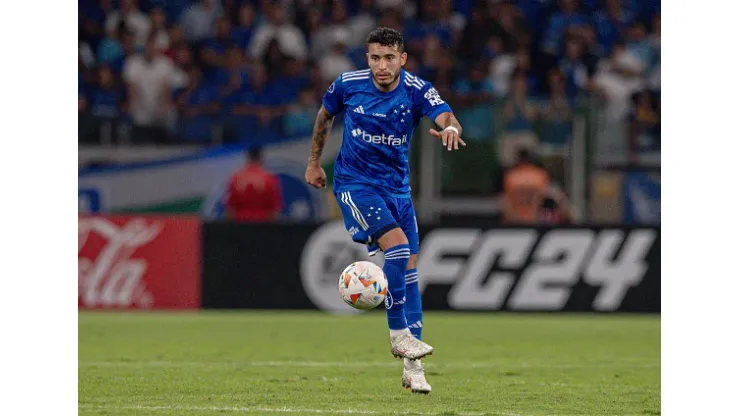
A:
{"x": 434, "y": 107}
{"x": 451, "y": 130}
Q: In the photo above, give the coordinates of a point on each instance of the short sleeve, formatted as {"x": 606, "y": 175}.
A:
{"x": 430, "y": 102}
{"x": 333, "y": 100}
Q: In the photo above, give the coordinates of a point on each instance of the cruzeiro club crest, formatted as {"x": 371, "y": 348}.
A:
{"x": 388, "y": 299}
{"x": 331, "y": 88}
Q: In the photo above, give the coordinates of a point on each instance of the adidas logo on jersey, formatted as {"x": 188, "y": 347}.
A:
{"x": 359, "y": 110}
{"x": 390, "y": 140}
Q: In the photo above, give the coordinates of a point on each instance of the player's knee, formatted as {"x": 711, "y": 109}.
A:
{"x": 392, "y": 238}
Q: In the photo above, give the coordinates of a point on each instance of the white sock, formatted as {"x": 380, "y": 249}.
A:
{"x": 397, "y": 332}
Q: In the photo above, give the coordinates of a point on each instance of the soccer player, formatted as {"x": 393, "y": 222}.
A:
{"x": 382, "y": 106}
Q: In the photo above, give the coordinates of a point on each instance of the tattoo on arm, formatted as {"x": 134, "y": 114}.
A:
{"x": 321, "y": 129}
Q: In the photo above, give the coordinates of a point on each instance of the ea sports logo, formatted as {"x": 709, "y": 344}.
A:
{"x": 388, "y": 300}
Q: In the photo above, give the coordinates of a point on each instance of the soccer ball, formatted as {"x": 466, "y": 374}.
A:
{"x": 362, "y": 285}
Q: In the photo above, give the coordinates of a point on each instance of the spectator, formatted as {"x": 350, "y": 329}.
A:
{"x": 525, "y": 186}
{"x": 475, "y": 35}
{"x": 198, "y": 105}
{"x": 199, "y": 19}
{"x": 589, "y": 48}
{"x": 107, "y": 96}
{"x": 494, "y": 48}
{"x": 129, "y": 50}
{"x": 149, "y": 78}
{"x": 362, "y": 23}
{"x": 391, "y": 17}
{"x": 183, "y": 63}
{"x": 260, "y": 107}
{"x": 518, "y": 117}
{"x": 475, "y": 95}
{"x": 611, "y": 25}
{"x": 431, "y": 56}
{"x": 443, "y": 75}
{"x": 476, "y": 88}
{"x": 573, "y": 68}
{"x": 453, "y": 19}
{"x": 324, "y": 42}
{"x": 335, "y": 61}
{"x": 300, "y": 117}
{"x": 557, "y": 115}
{"x": 288, "y": 36}
{"x": 510, "y": 26}
{"x": 567, "y": 18}
{"x": 312, "y": 25}
{"x": 503, "y": 67}
{"x": 495, "y": 31}
{"x": 536, "y": 14}
{"x": 234, "y": 77}
{"x": 294, "y": 77}
{"x": 175, "y": 42}
{"x": 644, "y": 124}
{"x": 242, "y": 33}
{"x": 273, "y": 58}
{"x": 617, "y": 78}
{"x": 110, "y": 48}
{"x": 254, "y": 194}
{"x": 213, "y": 53}
{"x": 91, "y": 19}
{"x": 159, "y": 29}
{"x": 639, "y": 46}
{"x": 134, "y": 20}
{"x": 428, "y": 23}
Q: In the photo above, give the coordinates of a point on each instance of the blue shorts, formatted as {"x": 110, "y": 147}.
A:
{"x": 368, "y": 215}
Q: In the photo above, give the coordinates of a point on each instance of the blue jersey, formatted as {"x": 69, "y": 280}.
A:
{"x": 378, "y": 127}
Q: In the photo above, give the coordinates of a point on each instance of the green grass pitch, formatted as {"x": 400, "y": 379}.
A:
{"x": 293, "y": 363}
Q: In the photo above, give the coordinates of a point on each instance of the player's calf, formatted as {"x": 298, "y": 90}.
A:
{"x": 396, "y": 259}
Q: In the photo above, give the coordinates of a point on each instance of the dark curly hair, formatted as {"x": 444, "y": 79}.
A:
{"x": 386, "y": 37}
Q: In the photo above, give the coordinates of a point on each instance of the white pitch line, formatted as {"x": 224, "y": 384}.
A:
{"x": 299, "y": 410}
{"x": 325, "y": 364}
{"x": 268, "y": 410}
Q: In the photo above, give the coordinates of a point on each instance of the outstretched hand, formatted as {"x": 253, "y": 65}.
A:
{"x": 449, "y": 138}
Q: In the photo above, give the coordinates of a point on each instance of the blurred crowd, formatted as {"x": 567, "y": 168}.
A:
{"x": 238, "y": 70}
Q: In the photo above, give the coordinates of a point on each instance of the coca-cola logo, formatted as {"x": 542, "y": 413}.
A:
{"x": 109, "y": 275}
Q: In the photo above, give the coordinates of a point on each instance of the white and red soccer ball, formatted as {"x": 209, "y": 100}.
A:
{"x": 363, "y": 285}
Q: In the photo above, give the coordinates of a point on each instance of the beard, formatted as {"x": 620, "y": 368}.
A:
{"x": 388, "y": 81}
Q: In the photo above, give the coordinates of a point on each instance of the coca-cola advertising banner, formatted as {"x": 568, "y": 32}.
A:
{"x": 468, "y": 267}
{"x": 139, "y": 262}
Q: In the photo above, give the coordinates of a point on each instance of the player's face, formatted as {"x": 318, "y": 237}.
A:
{"x": 385, "y": 63}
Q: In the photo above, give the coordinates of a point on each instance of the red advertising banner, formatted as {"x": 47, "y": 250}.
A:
{"x": 138, "y": 262}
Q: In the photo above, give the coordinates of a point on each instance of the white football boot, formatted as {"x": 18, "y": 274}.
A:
{"x": 413, "y": 377}
{"x": 406, "y": 346}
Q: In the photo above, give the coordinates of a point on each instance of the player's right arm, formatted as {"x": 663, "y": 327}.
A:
{"x": 315, "y": 174}
{"x": 332, "y": 104}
